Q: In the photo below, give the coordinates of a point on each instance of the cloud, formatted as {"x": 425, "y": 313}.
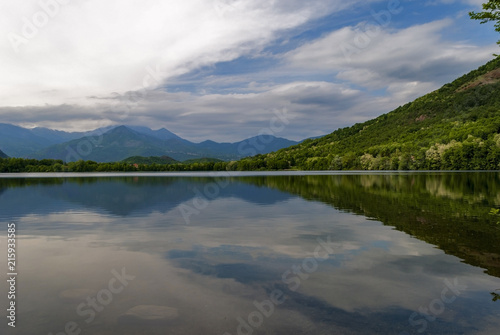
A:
{"x": 96, "y": 47}
{"x": 408, "y": 62}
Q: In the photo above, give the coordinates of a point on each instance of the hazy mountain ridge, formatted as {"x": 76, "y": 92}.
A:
{"x": 20, "y": 142}
{"x": 115, "y": 143}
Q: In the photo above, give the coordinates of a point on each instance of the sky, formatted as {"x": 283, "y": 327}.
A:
{"x": 226, "y": 70}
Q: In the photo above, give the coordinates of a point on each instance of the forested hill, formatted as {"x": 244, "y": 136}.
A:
{"x": 456, "y": 127}
{"x": 3, "y": 155}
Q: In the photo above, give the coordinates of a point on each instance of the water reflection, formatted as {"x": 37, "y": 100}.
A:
{"x": 411, "y": 237}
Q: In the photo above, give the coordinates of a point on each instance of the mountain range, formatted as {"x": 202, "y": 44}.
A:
{"x": 456, "y": 127}
{"x": 115, "y": 143}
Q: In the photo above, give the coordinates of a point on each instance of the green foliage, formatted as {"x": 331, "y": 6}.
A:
{"x": 14, "y": 165}
{"x": 17, "y": 165}
{"x": 491, "y": 13}
{"x": 202, "y": 160}
{"x": 149, "y": 160}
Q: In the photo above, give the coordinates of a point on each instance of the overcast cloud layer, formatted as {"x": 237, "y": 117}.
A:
{"x": 223, "y": 69}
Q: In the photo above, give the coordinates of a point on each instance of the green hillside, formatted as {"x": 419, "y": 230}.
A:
{"x": 454, "y": 128}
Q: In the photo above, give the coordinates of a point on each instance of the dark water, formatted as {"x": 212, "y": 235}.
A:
{"x": 294, "y": 254}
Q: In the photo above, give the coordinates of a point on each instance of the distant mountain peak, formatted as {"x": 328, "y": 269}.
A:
{"x": 122, "y": 128}
{"x": 162, "y": 134}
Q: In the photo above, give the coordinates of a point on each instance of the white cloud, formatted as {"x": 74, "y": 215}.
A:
{"x": 408, "y": 62}
{"x": 97, "y": 47}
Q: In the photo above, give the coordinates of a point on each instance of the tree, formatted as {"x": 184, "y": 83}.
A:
{"x": 491, "y": 13}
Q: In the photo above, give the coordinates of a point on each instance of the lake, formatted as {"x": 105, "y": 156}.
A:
{"x": 254, "y": 253}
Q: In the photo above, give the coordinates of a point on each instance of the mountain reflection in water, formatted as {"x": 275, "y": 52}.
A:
{"x": 398, "y": 241}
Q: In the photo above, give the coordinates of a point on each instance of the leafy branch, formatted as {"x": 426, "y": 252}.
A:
{"x": 491, "y": 13}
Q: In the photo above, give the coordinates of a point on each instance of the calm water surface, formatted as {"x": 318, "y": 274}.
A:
{"x": 267, "y": 254}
